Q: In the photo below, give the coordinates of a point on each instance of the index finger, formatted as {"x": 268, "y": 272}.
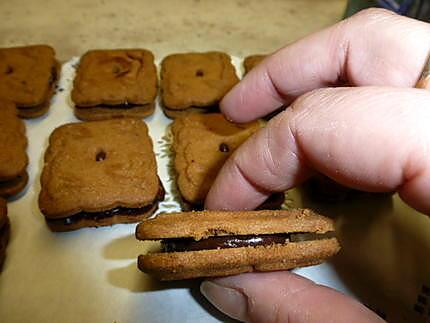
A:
{"x": 374, "y": 47}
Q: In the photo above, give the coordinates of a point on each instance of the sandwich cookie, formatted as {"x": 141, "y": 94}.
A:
{"x": 13, "y": 155}
{"x": 28, "y": 76}
{"x": 215, "y": 243}
{"x": 99, "y": 173}
{"x": 115, "y": 84}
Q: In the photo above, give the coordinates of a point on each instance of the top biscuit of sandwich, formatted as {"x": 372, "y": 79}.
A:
{"x": 252, "y": 61}
{"x": 114, "y": 77}
{"x": 13, "y": 142}
{"x": 96, "y": 166}
{"x": 27, "y": 74}
{"x": 202, "y": 143}
{"x": 196, "y": 79}
{"x": 205, "y": 224}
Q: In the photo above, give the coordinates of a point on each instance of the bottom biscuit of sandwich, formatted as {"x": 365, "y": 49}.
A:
{"x": 215, "y": 243}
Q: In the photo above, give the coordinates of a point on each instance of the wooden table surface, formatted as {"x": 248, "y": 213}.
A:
{"x": 239, "y": 27}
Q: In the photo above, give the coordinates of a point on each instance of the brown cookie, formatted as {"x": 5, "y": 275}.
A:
{"x": 216, "y": 243}
{"x": 195, "y": 82}
{"x": 27, "y": 77}
{"x": 202, "y": 143}
{"x": 4, "y": 231}
{"x": 251, "y": 61}
{"x": 13, "y": 156}
{"x": 99, "y": 173}
{"x": 114, "y": 84}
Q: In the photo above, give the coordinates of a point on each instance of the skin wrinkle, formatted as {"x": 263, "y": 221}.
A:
{"x": 277, "y": 301}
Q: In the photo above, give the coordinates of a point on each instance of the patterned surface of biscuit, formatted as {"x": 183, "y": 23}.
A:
{"x": 96, "y": 166}
{"x": 194, "y": 80}
{"x": 227, "y": 260}
{"x": 13, "y": 143}
{"x": 203, "y": 224}
{"x": 115, "y": 77}
{"x": 202, "y": 143}
{"x": 251, "y": 61}
{"x": 28, "y": 75}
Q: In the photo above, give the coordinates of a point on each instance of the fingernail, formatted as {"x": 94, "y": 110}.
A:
{"x": 228, "y": 300}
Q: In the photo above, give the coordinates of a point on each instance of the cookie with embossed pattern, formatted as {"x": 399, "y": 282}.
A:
{"x": 27, "y": 77}
{"x": 195, "y": 82}
{"x": 115, "y": 83}
{"x": 99, "y": 173}
{"x": 201, "y": 144}
{"x": 13, "y": 155}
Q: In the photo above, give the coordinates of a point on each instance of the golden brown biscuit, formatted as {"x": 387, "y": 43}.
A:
{"x": 195, "y": 82}
{"x": 13, "y": 156}
{"x": 115, "y": 84}
{"x": 251, "y": 61}
{"x": 99, "y": 173}
{"x": 216, "y": 243}
{"x": 4, "y": 231}
{"x": 27, "y": 77}
{"x": 202, "y": 143}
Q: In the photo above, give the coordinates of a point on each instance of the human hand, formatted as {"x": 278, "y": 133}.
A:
{"x": 374, "y": 137}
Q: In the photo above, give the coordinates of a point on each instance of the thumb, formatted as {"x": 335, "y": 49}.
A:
{"x": 282, "y": 297}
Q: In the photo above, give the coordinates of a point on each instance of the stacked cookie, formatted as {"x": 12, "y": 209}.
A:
{"x": 201, "y": 145}
{"x": 115, "y": 83}
{"x": 216, "y": 243}
{"x": 13, "y": 156}
{"x": 195, "y": 82}
{"x": 27, "y": 77}
{"x": 99, "y": 173}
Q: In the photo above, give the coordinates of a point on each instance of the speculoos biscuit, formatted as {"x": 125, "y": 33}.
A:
{"x": 114, "y": 84}
{"x": 13, "y": 155}
{"x": 99, "y": 173}
{"x": 27, "y": 77}
{"x": 195, "y": 82}
{"x": 201, "y": 145}
{"x": 220, "y": 243}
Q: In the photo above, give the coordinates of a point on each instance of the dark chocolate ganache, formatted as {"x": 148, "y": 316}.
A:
{"x": 223, "y": 242}
{"x": 125, "y": 105}
{"x": 100, "y": 215}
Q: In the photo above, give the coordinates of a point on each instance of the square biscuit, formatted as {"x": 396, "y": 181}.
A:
{"x": 13, "y": 155}
{"x": 195, "y": 82}
{"x": 105, "y": 169}
{"x": 27, "y": 77}
{"x": 202, "y": 143}
{"x": 115, "y": 83}
{"x": 251, "y": 61}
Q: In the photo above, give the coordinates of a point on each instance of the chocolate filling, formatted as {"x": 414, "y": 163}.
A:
{"x": 125, "y": 105}
{"x": 224, "y": 242}
{"x": 100, "y": 215}
{"x": 108, "y": 213}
